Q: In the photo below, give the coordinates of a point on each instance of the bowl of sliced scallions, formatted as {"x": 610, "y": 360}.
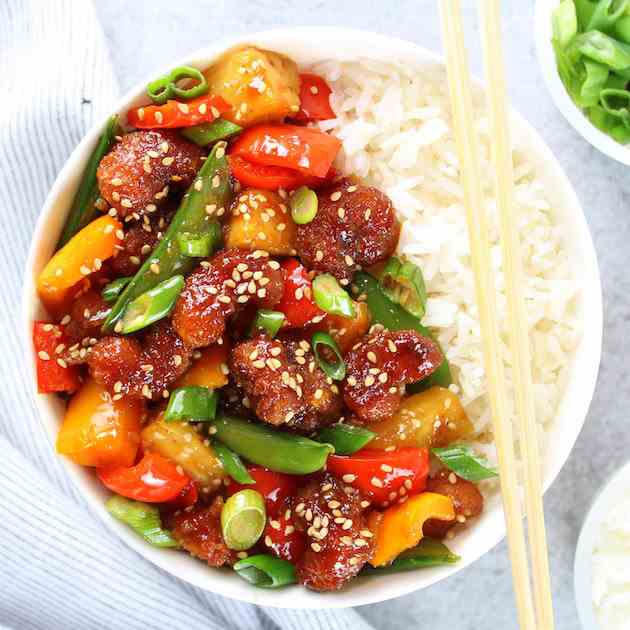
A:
{"x": 584, "y": 53}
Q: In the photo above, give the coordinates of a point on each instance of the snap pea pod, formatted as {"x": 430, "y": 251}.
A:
{"x": 112, "y": 290}
{"x": 83, "y": 209}
{"x": 266, "y": 571}
{"x": 211, "y": 187}
{"x": 232, "y": 463}
{"x": 207, "y": 133}
{"x": 277, "y": 450}
{"x": 394, "y": 317}
{"x": 346, "y": 438}
{"x": 429, "y": 553}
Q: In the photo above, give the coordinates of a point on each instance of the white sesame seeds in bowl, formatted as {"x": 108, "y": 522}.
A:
{"x": 570, "y": 363}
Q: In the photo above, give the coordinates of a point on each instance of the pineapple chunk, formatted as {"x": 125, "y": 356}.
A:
{"x": 260, "y": 220}
{"x": 260, "y": 85}
{"x": 434, "y": 417}
{"x": 180, "y": 443}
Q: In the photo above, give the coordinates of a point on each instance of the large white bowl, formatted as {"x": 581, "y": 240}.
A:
{"x": 549, "y": 70}
{"x": 307, "y": 46}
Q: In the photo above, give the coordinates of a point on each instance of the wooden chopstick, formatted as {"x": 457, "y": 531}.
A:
{"x": 489, "y": 12}
{"x": 466, "y": 138}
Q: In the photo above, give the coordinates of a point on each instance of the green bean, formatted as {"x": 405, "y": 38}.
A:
{"x": 211, "y": 187}
{"x": 83, "y": 209}
{"x": 207, "y": 133}
{"x": 272, "y": 448}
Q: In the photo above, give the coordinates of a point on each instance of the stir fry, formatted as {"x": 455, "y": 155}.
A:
{"x": 239, "y": 346}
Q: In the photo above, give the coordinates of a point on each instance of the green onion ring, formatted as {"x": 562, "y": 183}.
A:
{"x": 164, "y": 88}
{"x": 337, "y": 370}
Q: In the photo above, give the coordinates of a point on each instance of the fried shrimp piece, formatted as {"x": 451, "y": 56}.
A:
{"x": 233, "y": 279}
{"x": 467, "y": 501}
{"x": 378, "y": 367}
{"x": 355, "y": 226}
{"x": 134, "y": 177}
{"x": 284, "y": 384}
{"x": 127, "y": 366}
{"x": 198, "y": 531}
{"x": 339, "y": 540}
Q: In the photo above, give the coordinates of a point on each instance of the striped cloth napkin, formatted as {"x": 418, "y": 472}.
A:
{"x": 59, "y": 566}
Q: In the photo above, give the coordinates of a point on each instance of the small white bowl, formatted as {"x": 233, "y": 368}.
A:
{"x": 307, "y": 46}
{"x": 549, "y": 70}
{"x": 615, "y": 487}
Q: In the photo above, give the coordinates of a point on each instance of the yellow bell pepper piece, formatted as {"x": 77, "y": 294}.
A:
{"x": 209, "y": 370}
{"x": 400, "y": 526}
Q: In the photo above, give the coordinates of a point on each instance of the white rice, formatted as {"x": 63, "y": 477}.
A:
{"x": 396, "y": 131}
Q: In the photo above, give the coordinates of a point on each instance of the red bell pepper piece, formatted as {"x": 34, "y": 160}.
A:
{"x": 274, "y": 486}
{"x": 304, "y": 149}
{"x": 51, "y": 375}
{"x": 383, "y": 476}
{"x": 314, "y": 98}
{"x": 282, "y": 539}
{"x": 297, "y": 302}
{"x": 154, "y": 479}
{"x": 187, "y": 497}
{"x": 178, "y": 114}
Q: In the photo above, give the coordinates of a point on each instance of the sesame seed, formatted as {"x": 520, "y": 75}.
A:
{"x": 275, "y": 524}
{"x": 155, "y": 268}
{"x": 369, "y": 380}
{"x": 408, "y": 484}
{"x": 43, "y": 355}
{"x": 167, "y": 161}
{"x": 341, "y": 212}
{"x": 376, "y": 482}
{"x": 359, "y": 542}
{"x": 371, "y": 357}
{"x": 309, "y": 514}
{"x": 365, "y": 504}
{"x": 316, "y": 547}
{"x": 386, "y": 468}
{"x": 349, "y": 478}
{"x": 216, "y": 181}
{"x": 319, "y": 255}
{"x": 314, "y": 89}
{"x": 347, "y": 525}
{"x": 336, "y": 196}
{"x": 391, "y": 345}
{"x": 268, "y": 541}
{"x": 85, "y": 271}
{"x": 452, "y": 478}
{"x": 318, "y": 394}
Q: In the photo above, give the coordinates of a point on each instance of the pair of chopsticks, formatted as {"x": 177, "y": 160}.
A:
{"x": 536, "y": 613}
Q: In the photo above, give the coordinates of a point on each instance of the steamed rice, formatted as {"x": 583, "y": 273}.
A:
{"x": 396, "y": 130}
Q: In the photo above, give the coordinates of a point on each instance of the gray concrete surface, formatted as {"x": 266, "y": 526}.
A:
{"x": 145, "y": 35}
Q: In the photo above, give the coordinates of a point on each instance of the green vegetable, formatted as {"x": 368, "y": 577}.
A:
{"x": 266, "y": 571}
{"x": 269, "y": 321}
{"x": 617, "y": 104}
{"x": 303, "y": 205}
{"x": 428, "y": 553}
{"x": 346, "y": 438}
{"x": 200, "y": 244}
{"x": 622, "y": 29}
{"x": 464, "y": 463}
{"x": 152, "y": 305}
{"x": 600, "y": 47}
{"x": 243, "y": 519}
{"x": 564, "y": 22}
{"x": 165, "y": 88}
{"x": 112, "y": 290}
{"x": 330, "y": 297}
{"x": 584, "y": 10}
{"x": 606, "y": 14}
{"x": 232, "y": 463}
{"x": 193, "y": 403}
{"x": 191, "y": 217}
{"x": 208, "y": 133}
{"x": 394, "y": 317}
{"x": 594, "y": 82}
{"x": 83, "y": 209}
{"x": 336, "y": 370}
{"x": 403, "y": 283}
{"x": 144, "y": 519}
{"x": 272, "y": 448}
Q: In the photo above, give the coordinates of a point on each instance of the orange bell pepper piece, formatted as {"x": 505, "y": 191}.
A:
{"x": 400, "y": 526}
{"x": 100, "y": 431}
{"x": 209, "y": 370}
{"x": 77, "y": 259}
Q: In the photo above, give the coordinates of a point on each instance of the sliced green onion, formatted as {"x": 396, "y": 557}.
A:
{"x": 152, "y": 305}
{"x": 165, "y": 88}
{"x": 584, "y": 10}
{"x": 464, "y": 463}
{"x": 428, "y": 553}
{"x": 144, "y": 519}
{"x": 616, "y": 103}
{"x": 83, "y": 209}
{"x": 303, "y": 205}
{"x": 604, "y": 49}
{"x": 337, "y": 370}
{"x": 269, "y": 321}
{"x": 330, "y": 297}
{"x": 243, "y": 519}
{"x": 594, "y": 82}
{"x": 620, "y": 133}
{"x": 403, "y": 283}
{"x": 200, "y": 244}
{"x": 207, "y": 133}
{"x": 606, "y": 14}
{"x": 622, "y": 29}
{"x": 193, "y": 403}
{"x": 346, "y": 438}
{"x": 564, "y": 22}
{"x": 266, "y": 571}
{"x": 112, "y": 290}
{"x": 232, "y": 463}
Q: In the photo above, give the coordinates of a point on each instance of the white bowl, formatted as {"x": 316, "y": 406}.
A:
{"x": 547, "y": 63}
{"x": 306, "y": 46}
{"x": 614, "y": 488}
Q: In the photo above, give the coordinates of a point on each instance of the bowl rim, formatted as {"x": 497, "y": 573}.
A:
{"x": 51, "y": 221}
{"x": 571, "y": 112}
{"x": 582, "y": 564}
